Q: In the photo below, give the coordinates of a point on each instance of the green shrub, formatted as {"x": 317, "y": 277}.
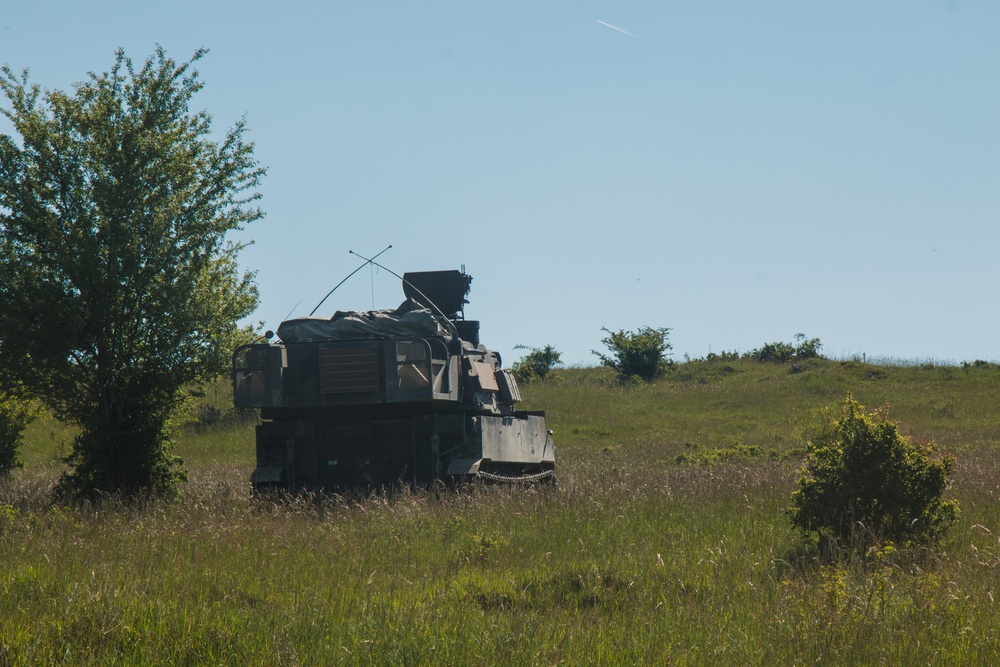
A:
{"x": 776, "y": 352}
{"x": 641, "y": 354}
{"x": 806, "y": 348}
{"x": 536, "y": 364}
{"x": 865, "y": 483}
{"x": 803, "y": 348}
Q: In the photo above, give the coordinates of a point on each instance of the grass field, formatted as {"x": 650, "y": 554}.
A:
{"x": 664, "y": 542}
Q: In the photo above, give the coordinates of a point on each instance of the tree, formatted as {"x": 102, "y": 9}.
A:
{"x": 865, "y": 482}
{"x": 641, "y": 353}
{"x": 118, "y": 284}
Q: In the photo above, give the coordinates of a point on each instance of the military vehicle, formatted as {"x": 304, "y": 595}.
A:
{"x": 378, "y": 398}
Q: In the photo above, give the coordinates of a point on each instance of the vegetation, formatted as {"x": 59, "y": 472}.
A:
{"x": 118, "y": 285}
{"x": 634, "y": 558}
{"x": 781, "y": 352}
{"x": 536, "y": 364}
{"x": 641, "y": 354}
{"x": 864, "y": 483}
{"x": 16, "y": 412}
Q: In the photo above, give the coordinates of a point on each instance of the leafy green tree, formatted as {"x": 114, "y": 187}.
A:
{"x": 864, "y": 482}
{"x": 119, "y": 287}
{"x": 536, "y": 364}
{"x": 639, "y": 354}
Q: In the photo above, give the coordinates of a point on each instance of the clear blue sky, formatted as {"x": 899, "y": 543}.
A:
{"x": 739, "y": 172}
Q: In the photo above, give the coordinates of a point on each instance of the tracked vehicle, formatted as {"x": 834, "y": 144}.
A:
{"x": 378, "y": 398}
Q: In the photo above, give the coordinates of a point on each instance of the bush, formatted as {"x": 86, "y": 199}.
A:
{"x": 640, "y": 354}
{"x": 781, "y": 352}
{"x": 806, "y": 348}
{"x": 865, "y": 483}
{"x": 536, "y": 364}
{"x": 776, "y": 352}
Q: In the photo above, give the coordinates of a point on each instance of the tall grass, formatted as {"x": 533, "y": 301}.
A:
{"x": 634, "y": 558}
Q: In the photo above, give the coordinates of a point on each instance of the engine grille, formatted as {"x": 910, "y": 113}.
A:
{"x": 344, "y": 370}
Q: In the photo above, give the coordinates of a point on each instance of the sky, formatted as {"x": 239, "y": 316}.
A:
{"x": 736, "y": 172}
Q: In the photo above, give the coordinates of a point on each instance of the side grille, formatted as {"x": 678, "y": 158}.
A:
{"x": 344, "y": 370}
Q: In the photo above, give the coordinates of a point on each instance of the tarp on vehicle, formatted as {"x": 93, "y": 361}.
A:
{"x": 410, "y": 319}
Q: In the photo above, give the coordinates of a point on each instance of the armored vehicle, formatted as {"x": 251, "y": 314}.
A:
{"x": 388, "y": 396}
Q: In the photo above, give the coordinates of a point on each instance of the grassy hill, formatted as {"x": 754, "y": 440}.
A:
{"x": 665, "y": 542}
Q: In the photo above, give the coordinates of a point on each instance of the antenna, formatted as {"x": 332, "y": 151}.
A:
{"x": 292, "y": 310}
{"x": 454, "y": 329}
{"x": 367, "y": 262}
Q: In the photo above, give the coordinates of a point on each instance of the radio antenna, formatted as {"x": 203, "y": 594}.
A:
{"x": 454, "y": 329}
{"x": 292, "y": 310}
{"x": 367, "y": 262}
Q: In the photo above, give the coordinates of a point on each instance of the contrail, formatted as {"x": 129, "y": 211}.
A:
{"x": 614, "y": 27}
